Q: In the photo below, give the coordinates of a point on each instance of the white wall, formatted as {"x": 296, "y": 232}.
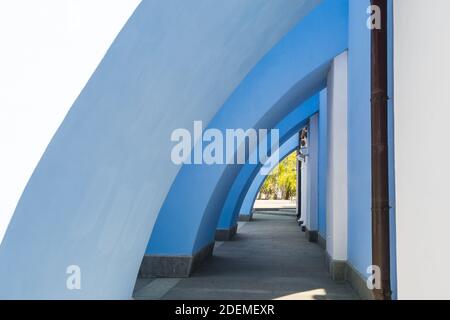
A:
{"x": 49, "y": 49}
{"x": 313, "y": 174}
{"x": 337, "y": 160}
{"x": 298, "y": 180}
{"x": 422, "y": 156}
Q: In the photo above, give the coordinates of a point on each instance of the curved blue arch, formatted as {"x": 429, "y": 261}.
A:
{"x": 287, "y": 127}
{"x": 95, "y": 195}
{"x": 106, "y": 182}
{"x": 294, "y": 70}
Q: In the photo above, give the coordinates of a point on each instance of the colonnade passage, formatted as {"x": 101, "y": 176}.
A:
{"x": 269, "y": 258}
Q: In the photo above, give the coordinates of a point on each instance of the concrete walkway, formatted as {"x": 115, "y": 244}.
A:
{"x": 274, "y": 204}
{"x": 268, "y": 259}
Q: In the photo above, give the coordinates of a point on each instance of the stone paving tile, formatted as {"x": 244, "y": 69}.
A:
{"x": 270, "y": 258}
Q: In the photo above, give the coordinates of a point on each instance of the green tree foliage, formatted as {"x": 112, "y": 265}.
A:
{"x": 282, "y": 181}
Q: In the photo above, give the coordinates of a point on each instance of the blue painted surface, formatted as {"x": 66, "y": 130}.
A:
{"x": 290, "y": 73}
{"x": 359, "y": 139}
{"x": 323, "y": 163}
{"x": 393, "y": 238}
{"x": 287, "y": 127}
{"x": 95, "y": 195}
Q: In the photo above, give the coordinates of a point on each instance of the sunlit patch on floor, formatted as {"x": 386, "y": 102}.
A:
{"x": 317, "y": 294}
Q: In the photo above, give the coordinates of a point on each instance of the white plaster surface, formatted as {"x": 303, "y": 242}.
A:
{"x": 337, "y": 186}
{"x": 422, "y": 156}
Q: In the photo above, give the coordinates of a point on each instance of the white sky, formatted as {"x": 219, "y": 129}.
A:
{"x": 48, "y": 51}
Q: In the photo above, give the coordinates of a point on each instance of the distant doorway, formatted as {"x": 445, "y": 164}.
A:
{"x": 278, "y": 193}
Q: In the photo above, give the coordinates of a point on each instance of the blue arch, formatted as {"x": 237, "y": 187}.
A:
{"x": 287, "y": 127}
{"x": 106, "y": 182}
{"x": 95, "y": 195}
{"x": 294, "y": 70}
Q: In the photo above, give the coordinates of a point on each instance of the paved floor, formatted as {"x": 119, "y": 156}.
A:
{"x": 274, "y": 204}
{"x": 268, "y": 259}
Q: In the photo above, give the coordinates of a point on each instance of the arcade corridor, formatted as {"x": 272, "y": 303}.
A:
{"x": 269, "y": 258}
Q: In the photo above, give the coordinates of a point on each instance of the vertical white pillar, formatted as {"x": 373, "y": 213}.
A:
{"x": 313, "y": 174}
{"x": 337, "y": 185}
{"x": 305, "y": 191}
{"x": 298, "y": 180}
{"x": 422, "y": 155}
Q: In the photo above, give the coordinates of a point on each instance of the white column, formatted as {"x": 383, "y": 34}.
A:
{"x": 298, "y": 181}
{"x": 313, "y": 174}
{"x": 337, "y": 214}
{"x": 304, "y": 196}
{"x": 422, "y": 154}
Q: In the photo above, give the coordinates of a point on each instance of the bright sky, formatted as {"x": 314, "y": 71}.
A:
{"x": 48, "y": 51}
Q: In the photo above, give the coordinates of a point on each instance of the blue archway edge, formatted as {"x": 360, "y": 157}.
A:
{"x": 287, "y": 127}
{"x": 290, "y": 73}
